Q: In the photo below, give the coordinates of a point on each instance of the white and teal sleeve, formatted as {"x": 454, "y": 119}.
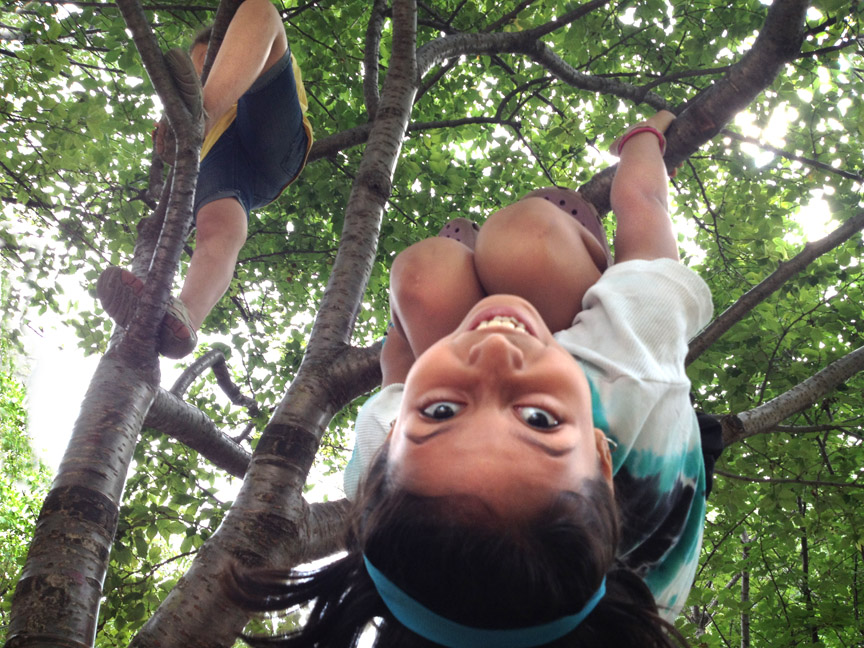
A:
{"x": 370, "y": 433}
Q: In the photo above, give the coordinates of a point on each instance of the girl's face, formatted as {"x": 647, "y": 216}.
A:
{"x": 499, "y": 410}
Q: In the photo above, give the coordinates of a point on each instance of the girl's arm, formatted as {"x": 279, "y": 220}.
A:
{"x": 396, "y": 357}
{"x": 639, "y": 197}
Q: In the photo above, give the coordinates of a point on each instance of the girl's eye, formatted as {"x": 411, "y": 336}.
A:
{"x": 441, "y": 410}
{"x": 537, "y": 418}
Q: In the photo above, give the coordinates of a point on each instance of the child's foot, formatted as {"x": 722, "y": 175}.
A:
{"x": 462, "y": 230}
{"x": 177, "y": 337}
{"x": 186, "y": 80}
{"x": 119, "y": 291}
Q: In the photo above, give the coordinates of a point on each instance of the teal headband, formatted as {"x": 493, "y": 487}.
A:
{"x": 424, "y": 622}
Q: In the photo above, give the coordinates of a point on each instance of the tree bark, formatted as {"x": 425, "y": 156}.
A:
{"x": 779, "y": 41}
{"x": 57, "y": 598}
{"x": 56, "y": 602}
{"x": 193, "y": 428}
{"x": 270, "y": 523}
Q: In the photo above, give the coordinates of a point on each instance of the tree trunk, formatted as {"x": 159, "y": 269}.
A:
{"x": 270, "y": 523}
{"x": 745, "y": 591}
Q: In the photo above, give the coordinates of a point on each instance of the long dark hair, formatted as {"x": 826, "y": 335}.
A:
{"x": 457, "y": 557}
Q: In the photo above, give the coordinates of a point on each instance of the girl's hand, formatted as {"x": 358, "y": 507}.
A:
{"x": 659, "y": 122}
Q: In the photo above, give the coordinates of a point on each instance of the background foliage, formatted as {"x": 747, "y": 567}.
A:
{"x": 75, "y": 169}
{"x": 23, "y": 482}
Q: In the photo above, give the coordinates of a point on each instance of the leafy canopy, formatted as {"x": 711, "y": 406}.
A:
{"x": 74, "y": 178}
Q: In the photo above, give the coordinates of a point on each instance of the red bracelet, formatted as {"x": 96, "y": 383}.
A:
{"x": 618, "y": 144}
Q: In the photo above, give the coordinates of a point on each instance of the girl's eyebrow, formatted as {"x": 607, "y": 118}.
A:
{"x": 420, "y": 439}
{"x": 532, "y": 440}
{"x": 517, "y": 431}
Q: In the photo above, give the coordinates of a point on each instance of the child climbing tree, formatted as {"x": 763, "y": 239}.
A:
{"x": 488, "y": 102}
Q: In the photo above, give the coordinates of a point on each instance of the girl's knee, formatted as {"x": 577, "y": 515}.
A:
{"x": 221, "y": 225}
{"x": 518, "y": 237}
{"x": 433, "y": 284}
{"x": 428, "y": 270}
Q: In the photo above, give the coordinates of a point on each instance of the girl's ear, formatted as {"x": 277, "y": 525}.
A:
{"x": 604, "y": 453}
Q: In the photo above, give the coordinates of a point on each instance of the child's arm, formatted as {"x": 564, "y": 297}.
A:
{"x": 396, "y": 357}
{"x": 639, "y": 197}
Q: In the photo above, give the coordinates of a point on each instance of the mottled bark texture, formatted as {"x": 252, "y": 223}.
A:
{"x": 56, "y": 602}
{"x": 270, "y": 523}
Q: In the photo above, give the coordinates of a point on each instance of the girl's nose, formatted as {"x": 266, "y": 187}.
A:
{"x": 495, "y": 351}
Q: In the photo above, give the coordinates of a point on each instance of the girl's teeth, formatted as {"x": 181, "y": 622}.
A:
{"x": 501, "y": 321}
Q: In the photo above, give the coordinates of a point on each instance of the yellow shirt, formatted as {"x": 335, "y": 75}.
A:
{"x": 228, "y": 118}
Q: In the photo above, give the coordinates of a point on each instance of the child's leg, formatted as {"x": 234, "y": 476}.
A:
{"x": 220, "y": 233}
{"x": 396, "y": 357}
{"x": 536, "y": 251}
{"x": 433, "y": 285}
{"x": 255, "y": 40}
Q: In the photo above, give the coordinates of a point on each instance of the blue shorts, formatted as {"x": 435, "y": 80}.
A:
{"x": 263, "y": 150}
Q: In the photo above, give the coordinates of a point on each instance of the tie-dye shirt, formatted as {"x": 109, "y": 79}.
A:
{"x": 631, "y": 340}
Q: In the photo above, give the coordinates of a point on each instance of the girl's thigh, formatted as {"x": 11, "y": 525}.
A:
{"x": 536, "y": 251}
{"x": 433, "y": 285}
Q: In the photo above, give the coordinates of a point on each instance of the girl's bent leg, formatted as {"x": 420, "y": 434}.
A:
{"x": 536, "y": 251}
{"x": 433, "y": 285}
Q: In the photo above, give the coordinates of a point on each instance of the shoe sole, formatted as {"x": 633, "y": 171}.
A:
{"x": 186, "y": 80}
{"x": 119, "y": 291}
{"x": 177, "y": 338}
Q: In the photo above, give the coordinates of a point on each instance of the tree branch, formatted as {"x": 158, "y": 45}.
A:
{"x": 270, "y": 522}
{"x": 790, "y": 156}
{"x": 509, "y": 16}
{"x": 141, "y": 333}
{"x": 216, "y": 360}
{"x": 224, "y": 13}
{"x": 763, "y": 290}
{"x": 705, "y": 114}
{"x": 527, "y": 43}
{"x": 371, "y": 53}
{"x": 802, "y": 482}
{"x": 762, "y": 419}
{"x": 176, "y": 418}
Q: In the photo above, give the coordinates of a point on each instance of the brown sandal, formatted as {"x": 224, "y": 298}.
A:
{"x": 463, "y": 230}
